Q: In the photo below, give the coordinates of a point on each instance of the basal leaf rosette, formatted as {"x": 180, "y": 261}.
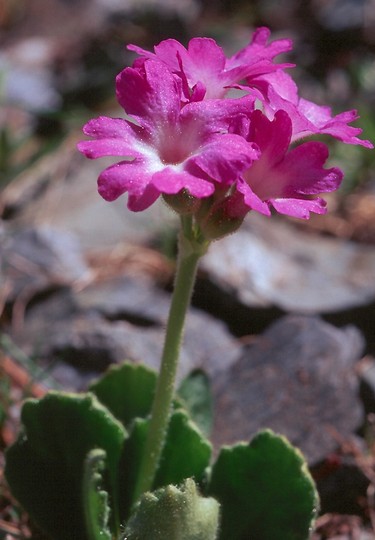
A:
{"x": 46, "y": 466}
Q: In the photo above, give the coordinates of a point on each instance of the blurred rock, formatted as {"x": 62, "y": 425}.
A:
{"x": 274, "y": 264}
{"x": 75, "y": 206}
{"x": 38, "y": 258}
{"x": 139, "y": 301}
{"x": 299, "y": 379}
{"x": 88, "y": 334}
{"x": 129, "y": 298}
{"x": 339, "y": 15}
{"x": 27, "y": 72}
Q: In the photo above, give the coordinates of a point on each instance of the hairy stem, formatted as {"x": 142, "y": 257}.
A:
{"x": 189, "y": 254}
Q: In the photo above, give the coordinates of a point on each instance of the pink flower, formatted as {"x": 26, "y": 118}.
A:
{"x": 166, "y": 145}
{"x": 206, "y": 73}
{"x": 319, "y": 119}
{"x": 205, "y": 68}
{"x": 279, "y": 91}
{"x": 183, "y": 136}
{"x": 286, "y": 180}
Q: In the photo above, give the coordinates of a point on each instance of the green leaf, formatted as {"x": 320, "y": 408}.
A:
{"x": 127, "y": 391}
{"x": 95, "y": 499}
{"x": 265, "y": 490}
{"x": 196, "y": 396}
{"x": 173, "y": 513}
{"x": 45, "y": 467}
{"x": 186, "y": 454}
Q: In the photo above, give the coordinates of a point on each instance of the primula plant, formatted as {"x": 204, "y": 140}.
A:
{"x": 215, "y": 137}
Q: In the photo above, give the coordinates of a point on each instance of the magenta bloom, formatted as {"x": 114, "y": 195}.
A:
{"x": 205, "y": 68}
{"x": 182, "y": 134}
{"x": 286, "y": 180}
{"x": 166, "y": 146}
{"x": 280, "y": 92}
{"x": 206, "y": 73}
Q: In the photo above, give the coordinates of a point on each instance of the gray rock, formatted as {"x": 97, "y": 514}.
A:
{"x": 126, "y": 297}
{"x": 298, "y": 378}
{"x": 36, "y": 258}
{"x": 339, "y": 15}
{"x": 138, "y": 300}
{"x": 92, "y": 344}
{"x": 119, "y": 320}
{"x": 271, "y": 263}
{"x": 73, "y": 205}
{"x": 28, "y": 80}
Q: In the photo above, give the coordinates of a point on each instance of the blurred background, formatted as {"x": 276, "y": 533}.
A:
{"x": 58, "y": 60}
{"x": 84, "y": 283}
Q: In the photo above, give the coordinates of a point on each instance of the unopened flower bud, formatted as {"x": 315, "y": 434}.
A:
{"x": 224, "y": 217}
{"x": 172, "y": 513}
{"x": 183, "y": 203}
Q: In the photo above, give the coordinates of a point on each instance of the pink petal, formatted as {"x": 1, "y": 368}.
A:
{"x": 304, "y": 167}
{"x": 252, "y": 200}
{"x": 112, "y": 137}
{"x": 272, "y": 137}
{"x": 171, "y": 182}
{"x": 276, "y": 85}
{"x": 142, "y": 52}
{"x": 206, "y": 56}
{"x": 280, "y": 176}
{"x": 169, "y": 51}
{"x": 106, "y": 147}
{"x": 299, "y": 208}
{"x": 224, "y": 157}
{"x": 159, "y": 90}
{"x": 204, "y": 62}
{"x": 137, "y": 203}
{"x": 198, "y": 92}
{"x": 105, "y": 127}
{"x": 215, "y": 115}
{"x": 251, "y": 72}
{"x": 259, "y": 50}
{"x": 201, "y": 63}
{"x": 274, "y": 101}
{"x": 240, "y": 125}
{"x": 316, "y": 114}
{"x": 322, "y": 121}
{"x": 308, "y": 118}
{"x": 123, "y": 177}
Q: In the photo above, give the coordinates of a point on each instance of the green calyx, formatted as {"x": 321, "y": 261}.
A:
{"x": 174, "y": 513}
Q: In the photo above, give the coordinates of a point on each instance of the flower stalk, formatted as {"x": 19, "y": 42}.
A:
{"x": 213, "y": 158}
{"x": 190, "y": 250}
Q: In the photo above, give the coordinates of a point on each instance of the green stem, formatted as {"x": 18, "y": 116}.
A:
{"x": 188, "y": 257}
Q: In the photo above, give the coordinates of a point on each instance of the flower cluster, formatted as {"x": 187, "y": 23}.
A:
{"x": 187, "y": 137}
